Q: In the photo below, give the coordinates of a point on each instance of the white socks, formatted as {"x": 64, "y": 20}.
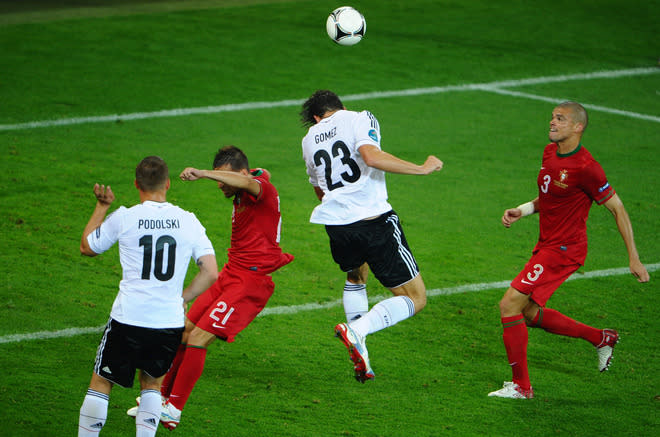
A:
{"x": 355, "y": 300}
{"x": 384, "y": 314}
{"x": 148, "y": 415}
{"x": 93, "y": 414}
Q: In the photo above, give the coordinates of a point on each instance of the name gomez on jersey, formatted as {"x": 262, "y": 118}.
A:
{"x": 352, "y": 190}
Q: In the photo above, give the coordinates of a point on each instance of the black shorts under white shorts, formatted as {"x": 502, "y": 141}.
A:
{"x": 380, "y": 242}
{"x": 125, "y": 348}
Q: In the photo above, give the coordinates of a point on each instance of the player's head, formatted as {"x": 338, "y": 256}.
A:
{"x": 578, "y": 113}
{"x": 318, "y": 104}
{"x": 233, "y": 156}
{"x": 569, "y": 120}
{"x": 152, "y": 174}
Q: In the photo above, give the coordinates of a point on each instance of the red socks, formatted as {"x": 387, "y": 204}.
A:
{"x": 515, "y": 341}
{"x": 556, "y": 323}
{"x": 168, "y": 381}
{"x": 190, "y": 369}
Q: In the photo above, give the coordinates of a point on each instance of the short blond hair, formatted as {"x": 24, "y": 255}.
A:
{"x": 578, "y": 113}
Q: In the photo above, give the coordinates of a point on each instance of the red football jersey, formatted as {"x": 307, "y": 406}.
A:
{"x": 568, "y": 184}
{"x": 255, "y": 230}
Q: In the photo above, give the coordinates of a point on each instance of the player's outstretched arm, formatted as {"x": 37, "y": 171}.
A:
{"x": 239, "y": 179}
{"x": 104, "y": 198}
{"x": 375, "y": 157}
{"x": 615, "y": 206}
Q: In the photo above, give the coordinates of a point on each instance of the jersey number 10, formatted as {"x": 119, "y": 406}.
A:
{"x": 160, "y": 274}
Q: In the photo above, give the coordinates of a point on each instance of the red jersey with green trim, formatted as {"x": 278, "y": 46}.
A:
{"x": 568, "y": 184}
{"x": 255, "y": 230}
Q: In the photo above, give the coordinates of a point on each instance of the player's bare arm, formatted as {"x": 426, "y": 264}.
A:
{"x": 319, "y": 192}
{"x": 615, "y": 206}
{"x": 237, "y": 179}
{"x": 512, "y": 215}
{"x": 104, "y": 198}
{"x": 208, "y": 273}
{"x": 375, "y": 157}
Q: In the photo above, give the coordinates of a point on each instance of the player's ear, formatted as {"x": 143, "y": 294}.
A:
{"x": 167, "y": 185}
{"x": 136, "y": 184}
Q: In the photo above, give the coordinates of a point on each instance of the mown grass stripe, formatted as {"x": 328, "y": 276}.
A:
{"x": 295, "y": 309}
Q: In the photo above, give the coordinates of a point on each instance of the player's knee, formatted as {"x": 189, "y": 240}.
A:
{"x": 420, "y": 303}
{"x": 508, "y": 307}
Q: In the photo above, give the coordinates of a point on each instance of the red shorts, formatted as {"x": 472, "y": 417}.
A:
{"x": 543, "y": 274}
{"x": 232, "y": 302}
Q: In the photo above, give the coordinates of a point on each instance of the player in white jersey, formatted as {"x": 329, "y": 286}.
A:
{"x": 347, "y": 167}
{"x": 156, "y": 242}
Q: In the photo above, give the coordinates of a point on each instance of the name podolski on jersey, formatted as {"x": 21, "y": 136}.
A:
{"x": 159, "y": 224}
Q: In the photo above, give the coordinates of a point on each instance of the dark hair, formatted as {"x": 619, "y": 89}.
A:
{"x": 233, "y": 156}
{"x": 318, "y": 104}
{"x": 151, "y": 173}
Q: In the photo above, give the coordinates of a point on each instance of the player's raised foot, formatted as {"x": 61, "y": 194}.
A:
{"x": 606, "y": 348}
{"x": 357, "y": 350}
{"x": 170, "y": 416}
{"x": 511, "y": 390}
{"x": 134, "y": 410}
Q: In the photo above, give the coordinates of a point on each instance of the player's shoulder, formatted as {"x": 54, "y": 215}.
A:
{"x": 550, "y": 149}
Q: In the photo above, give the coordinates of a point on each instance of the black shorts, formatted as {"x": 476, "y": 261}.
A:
{"x": 125, "y": 348}
{"x": 380, "y": 243}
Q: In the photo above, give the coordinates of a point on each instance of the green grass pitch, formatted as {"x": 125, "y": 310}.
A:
{"x": 89, "y": 88}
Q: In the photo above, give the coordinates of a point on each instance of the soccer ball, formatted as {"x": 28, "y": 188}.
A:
{"x": 346, "y": 26}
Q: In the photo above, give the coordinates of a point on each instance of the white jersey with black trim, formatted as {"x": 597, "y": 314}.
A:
{"x": 352, "y": 190}
{"x": 156, "y": 242}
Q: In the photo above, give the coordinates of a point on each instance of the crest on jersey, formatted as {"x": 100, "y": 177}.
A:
{"x": 563, "y": 175}
{"x": 373, "y": 135}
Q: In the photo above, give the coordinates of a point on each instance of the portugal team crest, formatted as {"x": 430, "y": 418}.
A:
{"x": 561, "y": 183}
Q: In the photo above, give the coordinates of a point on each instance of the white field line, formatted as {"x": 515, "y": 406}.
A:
{"x": 295, "y": 309}
{"x": 586, "y": 105}
{"x": 492, "y": 87}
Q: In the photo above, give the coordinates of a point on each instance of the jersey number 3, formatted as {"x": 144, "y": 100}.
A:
{"x": 323, "y": 157}
{"x": 160, "y": 273}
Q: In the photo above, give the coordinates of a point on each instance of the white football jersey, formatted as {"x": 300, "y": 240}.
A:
{"x": 156, "y": 242}
{"x": 352, "y": 190}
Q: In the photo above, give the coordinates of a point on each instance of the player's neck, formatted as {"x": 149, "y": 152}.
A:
{"x": 567, "y": 146}
{"x": 329, "y": 113}
{"x": 153, "y": 196}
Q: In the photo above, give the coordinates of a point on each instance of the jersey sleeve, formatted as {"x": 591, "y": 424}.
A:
{"x": 309, "y": 164}
{"x": 203, "y": 246}
{"x": 367, "y": 130}
{"x": 595, "y": 184}
{"x": 106, "y": 235}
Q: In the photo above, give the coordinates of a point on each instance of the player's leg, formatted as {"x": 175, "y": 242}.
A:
{"x": 244, "y": 294}
{"x": 555, "y": 322}
{"x": 149, "y": 410}
{"x": 394, "y": 265}
{"x": 356, "y": 303}
{"x": 515, "y": 338}
{"x": 170, "y": 377}
{"x": 408, "y": 300}
{"x": 190, "y": 370}
{"x": 94, "y": 410}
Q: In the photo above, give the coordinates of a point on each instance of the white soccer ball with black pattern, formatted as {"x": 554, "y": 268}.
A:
{"x": 346, "y": 26}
